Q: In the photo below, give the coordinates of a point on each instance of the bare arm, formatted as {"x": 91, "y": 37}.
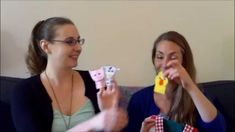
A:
{"x": 177, "y": 73}
{"x": 205, "y": 108}
{"x": 107, "y": 120}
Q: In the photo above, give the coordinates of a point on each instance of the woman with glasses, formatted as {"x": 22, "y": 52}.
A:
{"x": 174, "y": 97}
{"x": 57, "y": 98}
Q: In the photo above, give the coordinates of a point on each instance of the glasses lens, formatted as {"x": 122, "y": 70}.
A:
{"x": 70, "y": 41}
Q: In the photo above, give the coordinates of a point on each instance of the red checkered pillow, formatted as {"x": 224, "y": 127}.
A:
{"x": 159, "y": 125}
{"x": 189, "y": 128}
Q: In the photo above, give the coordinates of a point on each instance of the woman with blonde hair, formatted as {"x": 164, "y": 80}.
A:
{"x": 183, "y": 102}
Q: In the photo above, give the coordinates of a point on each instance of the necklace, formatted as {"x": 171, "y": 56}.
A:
{"x": 57, "y": 102}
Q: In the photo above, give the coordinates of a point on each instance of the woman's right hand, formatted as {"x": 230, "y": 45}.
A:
{"x": 148, "y": 123}
{"x": 109, "y": 97}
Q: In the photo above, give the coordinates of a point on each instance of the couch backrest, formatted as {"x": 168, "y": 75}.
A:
{"x": 221, "y": 91}
{"x": 7, "y": 85}
{"x": 223, "y": 95}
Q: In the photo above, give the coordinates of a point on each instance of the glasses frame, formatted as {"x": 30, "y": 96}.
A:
{"x": 74, "y": 41}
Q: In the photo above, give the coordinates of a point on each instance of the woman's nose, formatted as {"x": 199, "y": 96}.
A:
{"x": 77, "y": 47}
{"x": 164, "y": 64}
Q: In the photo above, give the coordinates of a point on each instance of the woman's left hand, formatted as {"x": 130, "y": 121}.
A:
{"x": 108, "y": 98}
{"x": 176, "y": 72}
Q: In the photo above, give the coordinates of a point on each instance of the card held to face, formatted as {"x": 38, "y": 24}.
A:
{"x": 160, "y": 83}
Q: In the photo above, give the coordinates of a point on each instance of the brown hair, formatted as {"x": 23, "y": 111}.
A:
{"x": 36, "y": 59}
{"x": 182, "y": 109}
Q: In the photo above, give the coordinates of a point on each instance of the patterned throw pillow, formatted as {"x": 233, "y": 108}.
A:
{"x": 164, "y": 125}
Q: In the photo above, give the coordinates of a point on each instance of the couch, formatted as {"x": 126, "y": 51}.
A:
{"x": 222, "y": 92}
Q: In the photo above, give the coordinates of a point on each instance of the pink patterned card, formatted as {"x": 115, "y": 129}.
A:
{"x": 98, "y": 77}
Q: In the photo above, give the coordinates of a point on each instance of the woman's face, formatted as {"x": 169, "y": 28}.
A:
{"x": 166, "y": 51}
{"x": 63, "y": 54}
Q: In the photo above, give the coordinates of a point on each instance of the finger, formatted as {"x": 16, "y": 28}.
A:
{"x": 172, "y": 73}
{"x": 146, "y": 127}
{"x": 113, "y": 87}
{"x": 174, "y": 76}
{"x": 168, "y": 72}
{"x": 149, "y": 125}
{"x": 109, "y": 88}
{"x": 153, "y": 117}
{"x": 101, "y": 92}
{"x": 102, "y": 89}
{"x": 172, "y": 63}
{"x": 114, "y": 82}
{"x": 149, "y": 120}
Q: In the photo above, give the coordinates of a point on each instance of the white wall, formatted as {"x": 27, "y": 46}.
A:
{"x": 122, "y": 33}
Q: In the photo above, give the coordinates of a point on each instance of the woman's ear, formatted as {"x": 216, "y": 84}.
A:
{"x": 44, "y": 44}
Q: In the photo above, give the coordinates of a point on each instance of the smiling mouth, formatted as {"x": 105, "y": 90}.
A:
{"x": 74, "y": 56}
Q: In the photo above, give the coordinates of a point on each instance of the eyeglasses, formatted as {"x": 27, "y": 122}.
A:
{"x": 71, "y": 41}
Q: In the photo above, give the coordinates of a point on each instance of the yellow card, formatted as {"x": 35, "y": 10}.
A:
{"x": 160, "y": 83}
